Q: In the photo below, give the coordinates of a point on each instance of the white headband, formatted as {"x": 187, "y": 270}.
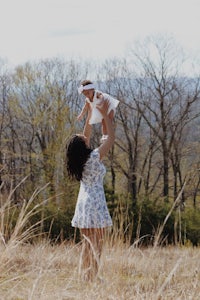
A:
{"x": 86, "y": 87}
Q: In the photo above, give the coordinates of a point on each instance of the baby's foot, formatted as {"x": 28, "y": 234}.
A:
{"x": 103, "y": 138}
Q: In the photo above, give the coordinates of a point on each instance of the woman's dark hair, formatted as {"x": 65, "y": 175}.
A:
{"x": 77, "y": 153}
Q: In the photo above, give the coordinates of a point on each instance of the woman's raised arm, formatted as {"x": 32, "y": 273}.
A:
{"x": 88, "y": 128}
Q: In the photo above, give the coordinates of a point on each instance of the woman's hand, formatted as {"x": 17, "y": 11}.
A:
{"x": 103, "y": 107}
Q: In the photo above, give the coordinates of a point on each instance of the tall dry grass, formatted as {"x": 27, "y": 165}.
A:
{"x": 40, "y": 270}
{"x": 44, "y": 271}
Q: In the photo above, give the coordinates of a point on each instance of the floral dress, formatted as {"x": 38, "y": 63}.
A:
{"x": 91, "y": 208}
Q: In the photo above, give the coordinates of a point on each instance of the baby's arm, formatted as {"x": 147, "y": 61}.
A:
{"x": 83, "y": 111}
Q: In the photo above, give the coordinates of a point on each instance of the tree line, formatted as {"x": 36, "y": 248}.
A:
{"x": 156, "y": 151}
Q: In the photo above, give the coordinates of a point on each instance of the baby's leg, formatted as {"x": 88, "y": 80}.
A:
{"x": 104, "y": 129}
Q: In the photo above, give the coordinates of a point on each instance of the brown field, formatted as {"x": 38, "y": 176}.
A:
{"x": 44, "y": 271}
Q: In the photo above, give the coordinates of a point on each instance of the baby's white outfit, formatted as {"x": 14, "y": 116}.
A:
{"x": 96, "y": 116}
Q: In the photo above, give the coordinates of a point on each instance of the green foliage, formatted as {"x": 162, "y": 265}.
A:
{"x": 191, "y": 226}
{"x": 145, "y": 221}
{"x": 48, "y": 221}
{"x": 148, "y": 218}
{"x": 111, "y": 198}
{"x": 141, "y": 225}
{"x": 57, "y": 223}
{"x": 52, "y": 219}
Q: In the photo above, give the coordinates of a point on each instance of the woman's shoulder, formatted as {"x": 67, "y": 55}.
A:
{"x": 94, "y": 159}
{"x": 94, "y": 156}
{"x": 95, "y": 153}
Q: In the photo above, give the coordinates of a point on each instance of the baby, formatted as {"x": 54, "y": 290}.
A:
{"x": 94, "y": 97}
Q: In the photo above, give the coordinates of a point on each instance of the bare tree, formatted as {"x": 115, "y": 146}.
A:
{"x": 167, "y": 100}
{"x": 5, "y": 85}
{"x": 42, "y": 111}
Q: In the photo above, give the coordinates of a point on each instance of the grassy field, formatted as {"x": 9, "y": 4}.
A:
{"x": 44, "y": 271}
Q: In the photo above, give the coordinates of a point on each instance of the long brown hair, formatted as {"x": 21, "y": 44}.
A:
{"x": 77, "y": 153}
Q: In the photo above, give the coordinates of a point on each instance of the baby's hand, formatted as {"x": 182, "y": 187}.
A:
{"x": 103, "y": 107}
{"x": 79, "y": 117}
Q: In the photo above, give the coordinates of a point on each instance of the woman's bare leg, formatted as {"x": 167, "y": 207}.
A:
{"x": 92, "y": 249}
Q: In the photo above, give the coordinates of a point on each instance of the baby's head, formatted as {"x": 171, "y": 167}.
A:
{"x": 86, "y": 82}
{"x": 87, "y": 88}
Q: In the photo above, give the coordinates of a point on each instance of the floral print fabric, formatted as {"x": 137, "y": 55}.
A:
{"x": 91, "y": 208}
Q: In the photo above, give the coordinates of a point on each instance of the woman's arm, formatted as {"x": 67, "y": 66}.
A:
{"x": 88, "y": 128}
{"x": 108, "y": 143}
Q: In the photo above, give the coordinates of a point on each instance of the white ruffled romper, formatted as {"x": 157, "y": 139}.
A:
{"x": 96, "y": 116}
{"x": 91, "y": 208}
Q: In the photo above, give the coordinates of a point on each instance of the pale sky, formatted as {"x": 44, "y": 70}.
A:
{"x": 35, "y": 29}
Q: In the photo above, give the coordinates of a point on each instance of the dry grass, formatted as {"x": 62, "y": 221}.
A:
{"x": 43, "y": 271}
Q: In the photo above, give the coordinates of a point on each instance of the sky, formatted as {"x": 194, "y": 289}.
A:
{"x": 39, "y": 29}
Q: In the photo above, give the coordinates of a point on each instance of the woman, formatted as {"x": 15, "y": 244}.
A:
{"x": 91, "y": 213}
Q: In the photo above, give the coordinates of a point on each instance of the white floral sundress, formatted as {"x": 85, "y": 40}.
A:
{"x": 91, "y": 208}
